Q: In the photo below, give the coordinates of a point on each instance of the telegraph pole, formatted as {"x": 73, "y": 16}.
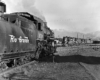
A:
{"x": 83, "y": 37}
{"x": 77, "y": 37}
{"x": 77, "y": 43}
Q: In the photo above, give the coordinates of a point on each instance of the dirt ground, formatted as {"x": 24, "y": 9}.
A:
{"x": 54, "y": 71}
{"x": 61, "y": 70}
{"x": 81, "y": 50}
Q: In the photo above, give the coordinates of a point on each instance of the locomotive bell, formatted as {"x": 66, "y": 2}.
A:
{"x": 2, "y": 7}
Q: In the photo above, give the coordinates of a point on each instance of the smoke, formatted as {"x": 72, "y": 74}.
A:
{"x": 23, "y": 6}
{"x": 72, "y": 15}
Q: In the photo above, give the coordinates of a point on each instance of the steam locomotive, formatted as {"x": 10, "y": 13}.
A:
{"x": 23, "y": 37}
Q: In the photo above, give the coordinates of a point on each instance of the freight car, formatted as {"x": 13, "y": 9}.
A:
{"x": 74, "y": 41}
{"x": 23, "y": 37}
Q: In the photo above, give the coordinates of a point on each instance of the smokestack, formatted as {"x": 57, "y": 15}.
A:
{"x": 2, "y": 7}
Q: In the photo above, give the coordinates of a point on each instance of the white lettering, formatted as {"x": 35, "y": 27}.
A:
{"x": 13, "y": 39}
{"x": 26, "y": 40}
{"x": 20, "y": 39}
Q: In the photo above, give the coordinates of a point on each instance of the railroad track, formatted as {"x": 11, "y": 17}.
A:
{"x": 88, "y": 71}
{"x": 71, "y": 72}
{"x": 82, "y": 47}
{"x": 91, "y": 71}
{"x": 9, "y": 71}
{"x": 6, "y": 73}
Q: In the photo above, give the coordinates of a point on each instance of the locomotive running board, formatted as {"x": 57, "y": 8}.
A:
{"x": 13, "y": 55}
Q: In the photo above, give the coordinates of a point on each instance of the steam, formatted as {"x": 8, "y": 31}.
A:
{"x": 71, "y": 15}
{"x": 23, "y": 5}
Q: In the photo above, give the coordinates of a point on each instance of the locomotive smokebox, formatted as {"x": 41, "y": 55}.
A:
{"x": 2, "y": 7}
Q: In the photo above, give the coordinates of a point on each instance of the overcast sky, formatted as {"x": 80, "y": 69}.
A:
{"x": 71, "y": 15}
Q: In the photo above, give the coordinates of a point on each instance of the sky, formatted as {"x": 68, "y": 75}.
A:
{"x": 71, "y": 15}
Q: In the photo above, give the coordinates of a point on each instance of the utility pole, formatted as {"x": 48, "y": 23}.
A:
{"x": 77, "y": 37}
{"x": 83, "y": 38}
{"x": 77, "y": 44}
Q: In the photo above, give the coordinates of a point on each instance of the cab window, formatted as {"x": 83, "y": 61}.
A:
{"x": 39, "y": 27}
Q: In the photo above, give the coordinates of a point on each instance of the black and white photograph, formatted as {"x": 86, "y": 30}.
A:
{"x": 49, "y": 39}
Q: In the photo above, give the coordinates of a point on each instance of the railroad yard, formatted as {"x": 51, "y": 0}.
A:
{"x": 69, "y": 63}
{"x": 38, "y": 45}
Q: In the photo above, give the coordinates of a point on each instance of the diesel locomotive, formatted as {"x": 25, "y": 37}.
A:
{"x": 23, "y": 37}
